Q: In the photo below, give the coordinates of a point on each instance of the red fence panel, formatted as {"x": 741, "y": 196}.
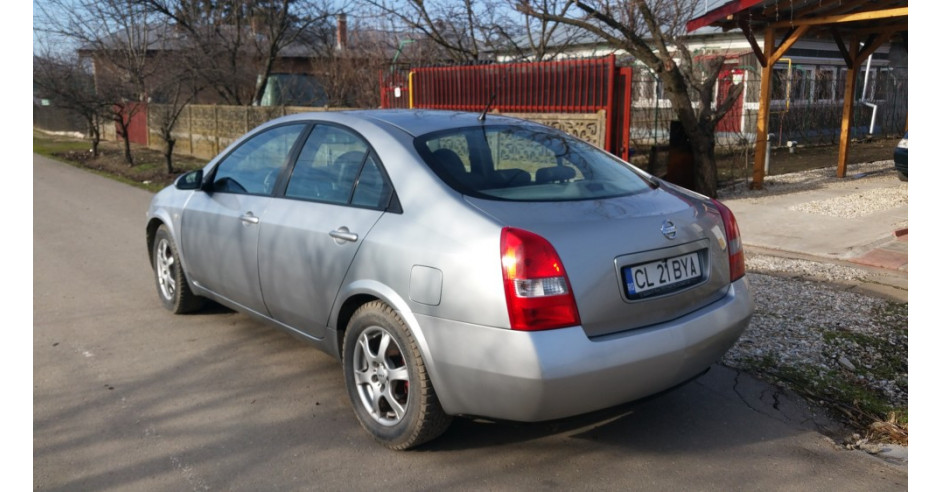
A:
{"x": 568, "y": 86}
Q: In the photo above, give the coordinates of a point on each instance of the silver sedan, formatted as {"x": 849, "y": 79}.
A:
{"x": 457, "y": 265}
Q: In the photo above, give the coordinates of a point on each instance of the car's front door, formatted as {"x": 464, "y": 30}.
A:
{"x": 335, "y": 194}
{"x": 220, "y": 227}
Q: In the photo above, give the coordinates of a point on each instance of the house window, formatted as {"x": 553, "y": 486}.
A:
{"x": 825, "y": 84}
{"x": 840, "y": 84}
{"x": 879, "y": 84}
{"x": 645, "y": 86}
{"x": 791, "y": 84}
{"x": 862, "y": 92}
{"x": 882, "y": 80}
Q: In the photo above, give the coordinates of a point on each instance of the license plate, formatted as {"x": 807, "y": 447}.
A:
{"x": 661, "y": 276}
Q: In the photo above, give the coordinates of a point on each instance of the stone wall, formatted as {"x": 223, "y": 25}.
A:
{"x": 590, "y": 127}
{"x": 204, "y": 131}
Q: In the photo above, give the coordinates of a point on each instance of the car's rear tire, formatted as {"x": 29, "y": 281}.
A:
{"x": 172, "y": 285}
{"x": 387, "y": 380}
{"x": 902, "y": 175}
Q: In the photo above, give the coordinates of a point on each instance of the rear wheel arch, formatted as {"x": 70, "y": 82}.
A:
{"x": 346, "y": 311}
{"x": 363, "y": 292}
{"x": 152, "y": 227}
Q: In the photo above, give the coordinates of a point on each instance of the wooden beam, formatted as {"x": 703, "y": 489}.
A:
{"x": 763, "y": 114}
{"x": 874, "y": 42}
{"x": 749, "y": 35}
{"x": 841, "y": 45}
{"x": 896, "y": 25}
{"x": 847, "y": 107}
{"x": 841, "y": 6}
{"x": 837, "y": 19}
{"x": 793, "y": 37}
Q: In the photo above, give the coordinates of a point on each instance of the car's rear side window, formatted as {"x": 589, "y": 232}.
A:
{"x": 337, "y": 166}
{"x": 524, "y": 164}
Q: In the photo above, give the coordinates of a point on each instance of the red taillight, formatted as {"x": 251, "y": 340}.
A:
{"x": 538, "y": 293}
{"x": 733, "y": 236}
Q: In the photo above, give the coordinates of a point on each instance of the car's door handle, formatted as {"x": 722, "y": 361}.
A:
{"x": 343, "y": 234}
{"x": 249, "y": 218}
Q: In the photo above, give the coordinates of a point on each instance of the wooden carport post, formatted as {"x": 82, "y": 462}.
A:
{"x": 847, "y": 107}
{"x": 770, "y": 57}
{"x": 853, "y": 60}
{"x": 763, "y": 112}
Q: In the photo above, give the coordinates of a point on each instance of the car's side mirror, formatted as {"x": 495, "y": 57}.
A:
{"x": 190, "y": 181}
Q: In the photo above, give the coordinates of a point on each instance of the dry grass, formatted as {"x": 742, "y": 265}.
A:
{"x": 148, "y": 171}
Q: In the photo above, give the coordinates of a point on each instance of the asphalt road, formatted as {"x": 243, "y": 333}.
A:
{"x": 129, "y": 397}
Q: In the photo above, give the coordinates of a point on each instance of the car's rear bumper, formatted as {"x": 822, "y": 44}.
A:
{"x": 534, "y": 376}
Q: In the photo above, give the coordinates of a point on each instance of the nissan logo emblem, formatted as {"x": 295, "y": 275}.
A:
{"x": 668, "y": 229}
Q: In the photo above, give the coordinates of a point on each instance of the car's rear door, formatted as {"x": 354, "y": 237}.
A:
{"x": 220, "y": 227}
{"x": 335, "y": 194}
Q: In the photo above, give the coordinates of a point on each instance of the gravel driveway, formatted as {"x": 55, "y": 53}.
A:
{"x": 835, "y": 345}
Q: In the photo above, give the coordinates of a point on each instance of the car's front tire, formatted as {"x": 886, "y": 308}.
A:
{"x": 387, "y": 380}
{"x": 172, "y": 286}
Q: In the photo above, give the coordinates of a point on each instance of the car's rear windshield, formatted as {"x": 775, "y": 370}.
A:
{"x": 520, "y": 163}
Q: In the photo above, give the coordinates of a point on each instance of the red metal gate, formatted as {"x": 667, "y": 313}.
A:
{"x": 136, "y": 116}
{"x": 394, "y": 90}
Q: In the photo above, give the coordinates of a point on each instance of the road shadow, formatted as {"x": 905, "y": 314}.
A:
{"x": 720, "y": 409}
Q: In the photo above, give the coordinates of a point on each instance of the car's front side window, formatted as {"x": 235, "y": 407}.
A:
{"x": 254, "y": 166}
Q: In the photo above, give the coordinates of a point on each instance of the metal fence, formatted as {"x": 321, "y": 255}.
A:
{"x": 811, "y": 116}
{"x": 55, "y": 119}
{"x": 569, "y": 86}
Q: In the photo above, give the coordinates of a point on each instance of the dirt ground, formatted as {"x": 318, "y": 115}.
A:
{"x": 149, "y": 170}
{"x": 738, "y": 168}
{"x": 782, "y": 161}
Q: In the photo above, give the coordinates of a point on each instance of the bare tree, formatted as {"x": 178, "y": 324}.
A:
{"x": 348, "y": 61}
{"x": 470, "y": 31}
{"x": 456, "y": 27}
{"x": 653, "y": 31}
{"x": 234, "y": 45}
{"x": 172, "y": 92}
{"x": 70, "y": 85}
{"x": 116, "y": 36}
{"x": 532, "y": 38}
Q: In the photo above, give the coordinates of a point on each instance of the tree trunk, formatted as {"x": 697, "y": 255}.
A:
{"x": 705, "y": 165}
{"x": 168, "y": 144}
{"x": 262, "y": 81}
{"x": 128, "y": 158}
{"x": 95, "y": 135}
{"x": 95, "y": 141}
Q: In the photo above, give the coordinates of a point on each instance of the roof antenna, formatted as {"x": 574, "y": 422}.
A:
{"x": 489, "y": 105}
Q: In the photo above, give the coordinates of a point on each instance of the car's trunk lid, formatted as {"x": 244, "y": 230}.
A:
{"x": 614, "y": 250}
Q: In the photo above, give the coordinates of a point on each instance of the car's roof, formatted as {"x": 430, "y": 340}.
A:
{"x": 420, "y": 121}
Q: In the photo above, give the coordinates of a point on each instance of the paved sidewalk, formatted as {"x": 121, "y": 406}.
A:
{"x": 860, "y": 219}
{"x": 891, "y": 255}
